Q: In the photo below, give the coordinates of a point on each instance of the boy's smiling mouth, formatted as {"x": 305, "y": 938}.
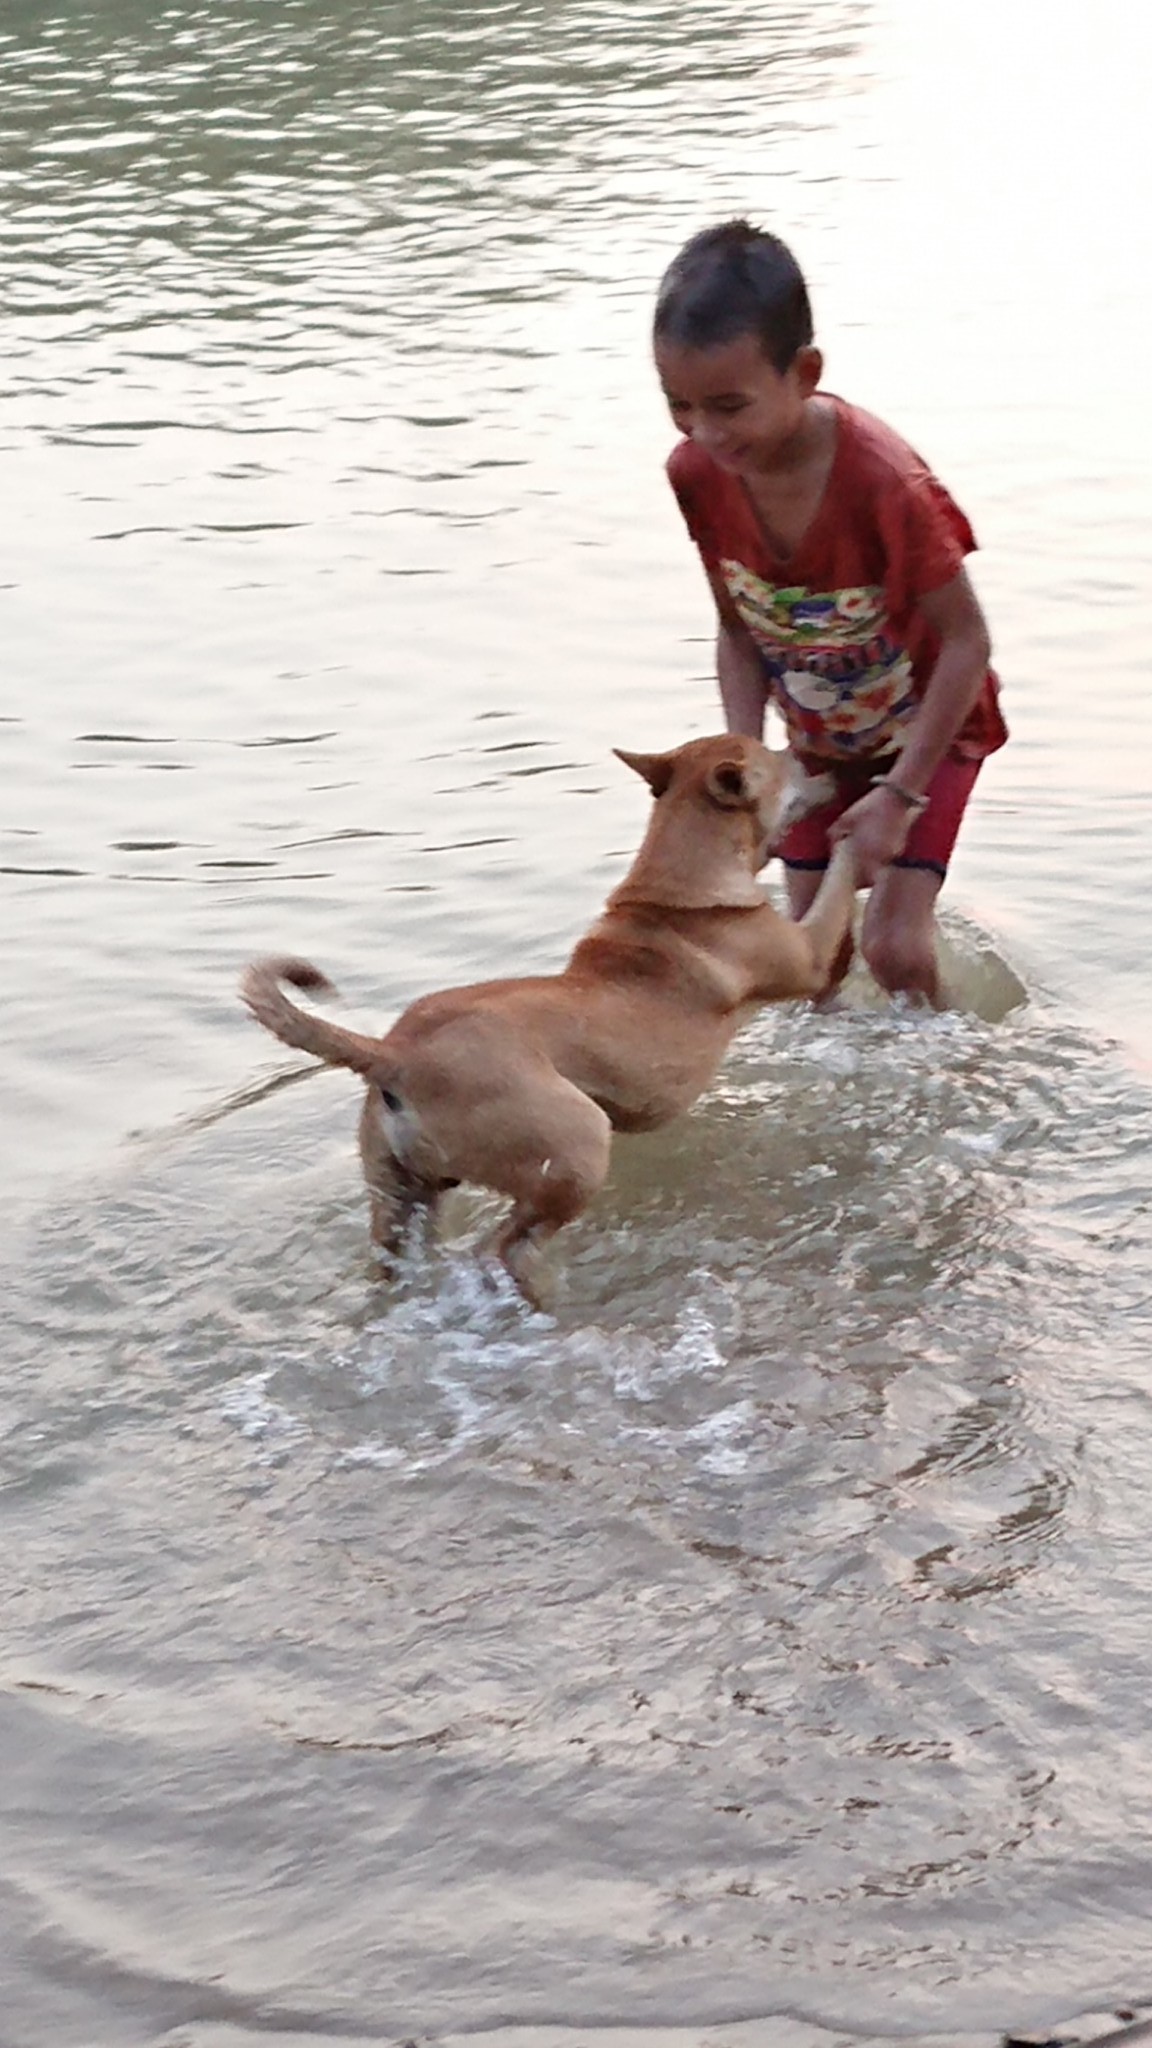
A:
{"x": 733, "y": 456}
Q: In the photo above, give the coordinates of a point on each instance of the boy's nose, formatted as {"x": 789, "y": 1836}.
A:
{"x": 709, "y": 434}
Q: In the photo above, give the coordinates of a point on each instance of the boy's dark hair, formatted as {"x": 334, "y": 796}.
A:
{"x": 731, "y": 280}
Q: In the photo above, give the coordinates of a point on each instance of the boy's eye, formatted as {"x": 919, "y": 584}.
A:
{"x": 720, "y": 405}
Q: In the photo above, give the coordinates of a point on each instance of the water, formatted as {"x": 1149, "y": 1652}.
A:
{"x": 753, "y": 1649}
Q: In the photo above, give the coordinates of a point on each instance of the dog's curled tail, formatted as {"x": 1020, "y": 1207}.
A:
{"x": 262, "y": 990}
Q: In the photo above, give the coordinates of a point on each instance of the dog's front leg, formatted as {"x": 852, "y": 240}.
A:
{"x": 827, "y": 923}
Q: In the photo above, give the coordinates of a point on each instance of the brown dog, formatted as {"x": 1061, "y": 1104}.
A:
{"x": 518, "y": 1085}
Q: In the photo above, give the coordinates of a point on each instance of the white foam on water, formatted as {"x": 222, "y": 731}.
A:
{"x": 726, "y": 1440}
{"x": 650, "y": 1363}
{"x": 247, "y": 1405}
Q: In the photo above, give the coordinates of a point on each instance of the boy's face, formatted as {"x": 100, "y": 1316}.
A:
{"x": 734, "y": 403}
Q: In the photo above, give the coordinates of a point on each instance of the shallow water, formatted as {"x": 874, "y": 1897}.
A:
{"x": 762, "y": 1630}
{"x": 755, "y": 1644}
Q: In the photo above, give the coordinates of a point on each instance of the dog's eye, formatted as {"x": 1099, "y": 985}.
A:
{"x": 390, "y": 1101}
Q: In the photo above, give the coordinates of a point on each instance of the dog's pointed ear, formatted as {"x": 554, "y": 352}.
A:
{"x": 656, "y": 769}
{"x": 727, "y": 783}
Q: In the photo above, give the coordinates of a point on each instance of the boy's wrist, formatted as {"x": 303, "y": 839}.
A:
{"x": 909, "y": 799}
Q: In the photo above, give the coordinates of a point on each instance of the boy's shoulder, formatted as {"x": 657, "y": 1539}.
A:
{"x": 874, "y": 449}
{"x": 890, "y": 482}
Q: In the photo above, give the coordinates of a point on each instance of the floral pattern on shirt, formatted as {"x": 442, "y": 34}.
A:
{"x": 843, "y": 684}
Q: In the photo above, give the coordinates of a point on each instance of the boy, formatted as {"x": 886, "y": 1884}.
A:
{"x": 836, "y": 560}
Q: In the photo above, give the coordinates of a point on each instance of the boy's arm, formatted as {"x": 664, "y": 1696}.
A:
{"x": 954, "y": 684}
{"x": 739, "y": 668}
{"x": 879, "y": 823}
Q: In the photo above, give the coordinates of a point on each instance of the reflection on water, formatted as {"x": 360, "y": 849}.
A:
{"x": 763, "y": 1631}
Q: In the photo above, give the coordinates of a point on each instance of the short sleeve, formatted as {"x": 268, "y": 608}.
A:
{"x": 926, "y": 534}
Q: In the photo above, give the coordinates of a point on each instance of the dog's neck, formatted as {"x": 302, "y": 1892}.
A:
{"x": 690, "y": 870}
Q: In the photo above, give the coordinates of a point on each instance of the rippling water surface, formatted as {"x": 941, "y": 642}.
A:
{"x": 756, "y": 1645}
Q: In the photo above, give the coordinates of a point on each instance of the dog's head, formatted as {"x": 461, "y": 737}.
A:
{"x": 734, "y": 773}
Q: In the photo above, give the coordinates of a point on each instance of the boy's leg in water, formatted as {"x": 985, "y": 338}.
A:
{"x": 898, "y": 932}
{"x": 898, "y": 935}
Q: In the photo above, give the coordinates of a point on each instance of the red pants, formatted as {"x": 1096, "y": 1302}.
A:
{"x": 928, "y": 845}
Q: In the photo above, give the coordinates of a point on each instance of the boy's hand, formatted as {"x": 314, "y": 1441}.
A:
{"x": 878, "y": 825}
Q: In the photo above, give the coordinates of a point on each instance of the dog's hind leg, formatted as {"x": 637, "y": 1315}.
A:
{"x": 555, "y": 1187}
{"x": 395, "y": 1193}
{"x": 393, "y": 1203}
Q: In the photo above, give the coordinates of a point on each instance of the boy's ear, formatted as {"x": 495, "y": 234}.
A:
{"x": 809, "y": 366}
{"x": 656, "y": 769}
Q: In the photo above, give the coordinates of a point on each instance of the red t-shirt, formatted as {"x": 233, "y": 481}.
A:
{"x": 846, "y": 648}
